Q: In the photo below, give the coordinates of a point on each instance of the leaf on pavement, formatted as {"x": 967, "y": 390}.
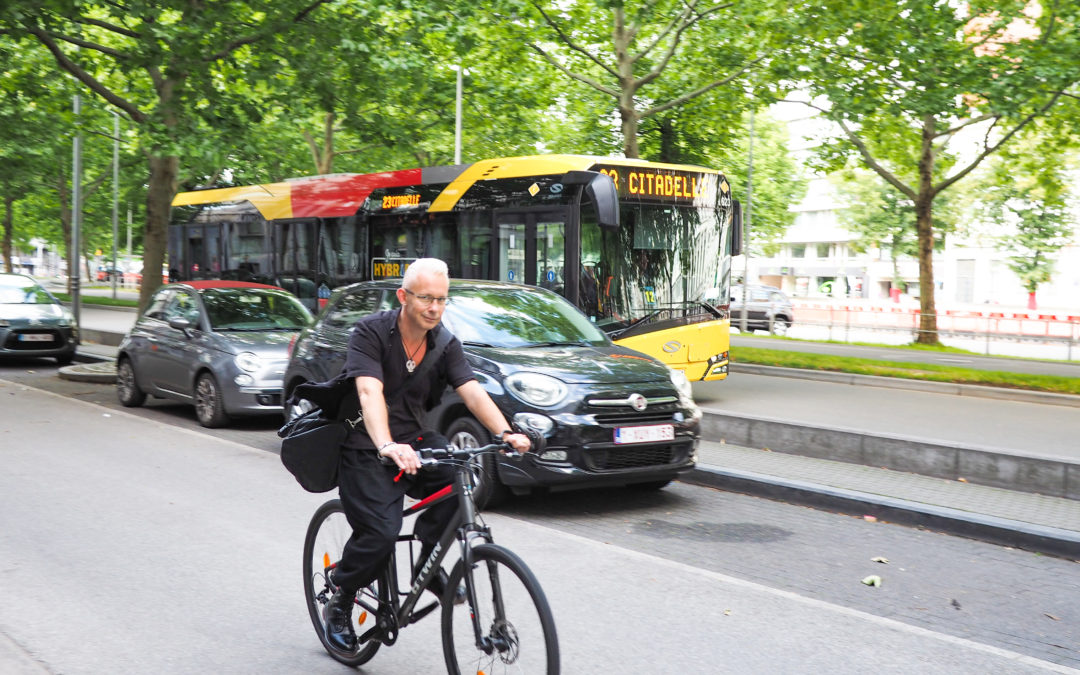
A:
{"x": 872, "y": 580}
{"x": 880, "y": 559}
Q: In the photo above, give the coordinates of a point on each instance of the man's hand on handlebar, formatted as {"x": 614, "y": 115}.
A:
{"x": 403, "y": 456}
{"x": 519, "y": 442}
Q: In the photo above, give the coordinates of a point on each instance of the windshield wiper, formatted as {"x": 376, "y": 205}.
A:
{"x": 476, "y": 344}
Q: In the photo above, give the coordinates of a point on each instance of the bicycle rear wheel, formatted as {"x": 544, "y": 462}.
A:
{"x": 326, "y": 537}
{"x": 516, "y": 624}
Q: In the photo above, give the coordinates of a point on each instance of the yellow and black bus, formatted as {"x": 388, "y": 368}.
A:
{"x": 644, "y": 249}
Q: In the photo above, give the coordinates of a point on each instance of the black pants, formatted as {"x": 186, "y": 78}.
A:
{"x": 374, "y": 503}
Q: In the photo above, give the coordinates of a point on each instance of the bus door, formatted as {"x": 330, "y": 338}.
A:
{"x": 532, "y": 247}
{"x": 203, "y": 251}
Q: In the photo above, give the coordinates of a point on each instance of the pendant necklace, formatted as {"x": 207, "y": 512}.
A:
{"x": 410, "y": 365}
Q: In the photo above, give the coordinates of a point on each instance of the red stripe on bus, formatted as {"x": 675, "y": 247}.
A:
{"x": 336, "y": 196}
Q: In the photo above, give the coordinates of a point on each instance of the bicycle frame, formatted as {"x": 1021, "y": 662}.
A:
{"x": 392, "y": 614}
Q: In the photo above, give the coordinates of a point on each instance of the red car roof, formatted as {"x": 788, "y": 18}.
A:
{"x": 201, "y": 284}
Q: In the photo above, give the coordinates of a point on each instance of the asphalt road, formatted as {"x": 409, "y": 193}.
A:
{"x": 137, "y": 541}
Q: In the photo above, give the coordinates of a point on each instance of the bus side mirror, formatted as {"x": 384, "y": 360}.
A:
{"x": 736, "y": 227}
{"x": 601, "y": 190}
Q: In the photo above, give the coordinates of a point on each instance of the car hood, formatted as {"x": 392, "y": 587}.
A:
{"x": 44, "y": 314}
{"x": 271, "y": 342}
{"x": 606, "y": 364}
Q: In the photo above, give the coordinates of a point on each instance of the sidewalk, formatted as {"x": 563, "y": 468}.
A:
{"x": 1011, "y": 517}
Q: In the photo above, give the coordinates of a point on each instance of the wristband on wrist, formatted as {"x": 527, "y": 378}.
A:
{"x": 502, "y": 434}
{"x": 385, "y": 445}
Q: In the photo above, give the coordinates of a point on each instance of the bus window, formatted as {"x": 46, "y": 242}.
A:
{"x": 295, "y": 266}
{"x": 512, "y": 252}
{"x": 550, "y": 251}
{"x": 341, "y": 247}
{"x": 474, "y": 242}
{"x": 248, "y": 251}
{"x": 408, "y": 237}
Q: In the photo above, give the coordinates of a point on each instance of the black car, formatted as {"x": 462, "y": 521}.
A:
{"x": 610, "y": 415}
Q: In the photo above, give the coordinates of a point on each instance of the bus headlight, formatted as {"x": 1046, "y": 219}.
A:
{"x": 542, "y": 391}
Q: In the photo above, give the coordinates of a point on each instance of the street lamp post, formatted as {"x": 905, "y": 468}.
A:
{"x": 115, "y": 194}
{"x": 76, "y": 210}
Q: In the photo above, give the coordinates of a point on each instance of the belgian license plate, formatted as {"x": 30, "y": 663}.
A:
{"x": 649, "y": 434}
{"x": 35, "y": 337}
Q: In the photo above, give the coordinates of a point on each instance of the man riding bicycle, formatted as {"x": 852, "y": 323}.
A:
{"x": 384, "y": 350}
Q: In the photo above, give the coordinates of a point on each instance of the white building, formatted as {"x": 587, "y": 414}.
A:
{"x": 817, "y": 259}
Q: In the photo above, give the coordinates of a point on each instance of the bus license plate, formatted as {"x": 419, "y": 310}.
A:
{"x": 650, "y": 434}
{"x": 35, "y": 337}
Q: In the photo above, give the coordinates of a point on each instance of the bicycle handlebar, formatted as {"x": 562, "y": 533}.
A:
{"x": 432, "y": 456}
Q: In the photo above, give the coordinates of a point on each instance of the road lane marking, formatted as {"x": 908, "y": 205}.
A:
{"x": 810, "y": 602}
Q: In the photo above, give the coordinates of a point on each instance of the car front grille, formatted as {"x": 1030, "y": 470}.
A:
{"x": 14, "y": 343}
{"x": 613, "y": 459}
{"x": 631, "y": 418}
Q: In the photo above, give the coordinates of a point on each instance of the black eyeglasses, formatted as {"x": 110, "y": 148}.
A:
{"x": 426, "y": 300}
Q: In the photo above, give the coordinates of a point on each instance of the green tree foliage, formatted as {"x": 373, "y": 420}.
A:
{"x": 648, "y": 59}
{"x": 1026, "y": 194}
{"x": 170, "y": 68}
{"x": 778, "y": 180}
{"x": 905, "y": 81}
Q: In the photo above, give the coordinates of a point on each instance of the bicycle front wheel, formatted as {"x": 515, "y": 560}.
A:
{"x": 515, "y": 624}
{"x": 326, "y": 537}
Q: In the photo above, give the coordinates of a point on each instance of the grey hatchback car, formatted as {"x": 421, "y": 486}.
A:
{"x": 222, "y": 345}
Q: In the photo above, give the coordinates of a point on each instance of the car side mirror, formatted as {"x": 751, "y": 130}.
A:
{"x": 180, "y": 324}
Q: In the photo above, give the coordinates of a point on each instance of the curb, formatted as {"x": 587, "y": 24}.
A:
{"x": 981, "y": 465}
{"x": 99, "y": 372}
{"x": 974, "y": 390}
{"x": 1041, "y": 539}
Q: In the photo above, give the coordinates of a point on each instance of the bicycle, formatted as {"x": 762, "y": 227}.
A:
{"x": 504, "y": 609}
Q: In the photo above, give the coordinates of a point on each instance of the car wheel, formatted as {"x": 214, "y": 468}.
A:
{"x": 65, "y": 359}
{"x": 209, "y": 406}
{"x": 466, "y": 432}
{"x": 780, "y": 326}
{"x": 127, "y": 388}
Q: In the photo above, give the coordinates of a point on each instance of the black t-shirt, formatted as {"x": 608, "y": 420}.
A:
{"x": 375, "y": 350}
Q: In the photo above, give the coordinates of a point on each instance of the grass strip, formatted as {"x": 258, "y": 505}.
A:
{"x": 911, "y": 371}
{"x": 98, "y": 300}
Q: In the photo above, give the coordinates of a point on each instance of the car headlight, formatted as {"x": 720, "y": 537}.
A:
{"x": 542, "y": 391}
{"x": 248, "y": 362}
{"x": 682, "y": 386}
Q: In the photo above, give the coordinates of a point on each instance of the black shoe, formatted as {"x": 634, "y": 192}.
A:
{"x": 337, "y": 616}
{"x": 438, "y": 587}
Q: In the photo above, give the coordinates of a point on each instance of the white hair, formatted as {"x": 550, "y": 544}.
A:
{"x": 424, "y": 266}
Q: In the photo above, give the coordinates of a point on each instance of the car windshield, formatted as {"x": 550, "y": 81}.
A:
{"x": 253, "y": 309}
{"x": 517, "y": 317}
{"x": 24, "y": 293}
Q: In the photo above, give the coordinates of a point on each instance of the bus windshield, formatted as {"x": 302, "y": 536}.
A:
{"x": 660, "y": 264}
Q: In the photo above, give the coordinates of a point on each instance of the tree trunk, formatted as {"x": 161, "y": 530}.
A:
{"x": 627, "y": 111}
{"x": 9, "y": 223}
{"x": 159, "y": 196}
{"x": 924, "y": 205}
{"x": 669, "y": 151}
